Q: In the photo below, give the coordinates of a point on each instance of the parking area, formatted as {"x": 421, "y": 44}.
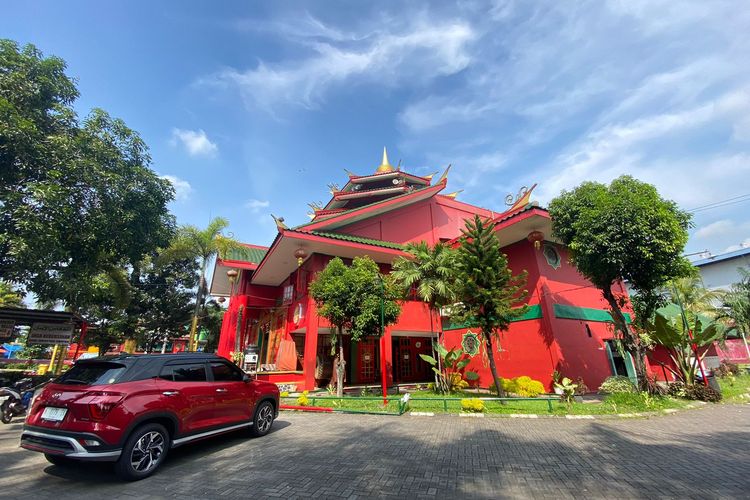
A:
{"x": 701, "y": 453}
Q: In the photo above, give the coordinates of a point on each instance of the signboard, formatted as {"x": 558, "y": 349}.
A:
{"x": 50, "y": 334}
{"x": 6, "y": 328}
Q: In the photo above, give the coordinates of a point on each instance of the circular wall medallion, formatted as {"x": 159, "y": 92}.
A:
{"x": 552, "y": 256}
{"x": 417, "y": 344}
{"x": 470, "y": 343}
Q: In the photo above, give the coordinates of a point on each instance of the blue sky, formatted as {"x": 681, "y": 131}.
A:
{"x": 251, "y": 108}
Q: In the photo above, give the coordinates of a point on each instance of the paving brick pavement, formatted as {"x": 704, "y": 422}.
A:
{"x": 702, "y": 453}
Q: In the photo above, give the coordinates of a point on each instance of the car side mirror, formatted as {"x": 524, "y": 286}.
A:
{"x": 246, "y": 378}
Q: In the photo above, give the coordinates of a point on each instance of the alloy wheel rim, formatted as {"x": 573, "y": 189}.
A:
{"x": 147, "y": 451}
{"x": 265, "y": 418}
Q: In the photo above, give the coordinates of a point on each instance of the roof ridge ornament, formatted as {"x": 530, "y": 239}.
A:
{"x": 384, "y": 165}
{"x": 279, "y": 222}
{"x": 521, "y": 199}
{"x": 444, "y": 177}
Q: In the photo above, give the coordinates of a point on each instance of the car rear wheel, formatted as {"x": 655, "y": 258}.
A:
{"x": 144, "y": 451}
{"x": 59, "y": 460}
{"x": 263, "y": 420}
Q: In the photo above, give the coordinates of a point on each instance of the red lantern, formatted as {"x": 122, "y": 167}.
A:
{"x": 300, "y": 254}
{"x": 536, "y": 237}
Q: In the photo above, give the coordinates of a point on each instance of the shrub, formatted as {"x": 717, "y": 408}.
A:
{"x": 522, "y": 386}
{"x": 527, "y": 387}
{"x": 727, "y": 368}
{"x": 472, "y": 405}
{"x": 702, "y": 392}
{"x": 303, "y": 400}
{"x": 567, "y": 389}
{"x": 617, "y": 385}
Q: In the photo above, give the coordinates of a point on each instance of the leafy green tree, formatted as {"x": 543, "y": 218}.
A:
{"x": 106, "y": 310}
{"x": 212, "y": 316}
{"x": 354, "y": 298}
{"x": 202, "y": 245}
{"x": 164, "y": 297}
{"x": 488, "y": 290}
{"x": 78, "y": 198}
{"x": 431, "y": 272}
{"x": 624, "y": 231}
{"x": 9, "y": 296}
{"x": 669, "y": 329}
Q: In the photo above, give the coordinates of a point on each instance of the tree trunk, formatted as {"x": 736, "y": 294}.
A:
{"x": 436, "y": 354}
{"x": 196, "y": 310}
{"x": 340, "y": 367}
{"x": 631, "y": 339}
{"x": 493, "y": 368}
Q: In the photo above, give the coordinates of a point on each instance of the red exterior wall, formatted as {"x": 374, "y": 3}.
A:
{"x": 429, "y": 220}
{"x": 537, "y": 347}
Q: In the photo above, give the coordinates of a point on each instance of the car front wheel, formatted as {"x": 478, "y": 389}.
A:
{"x": 144, "y": 451}
{"x": 263, "y": 419}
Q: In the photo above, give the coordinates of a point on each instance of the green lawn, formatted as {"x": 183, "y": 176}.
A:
{"x": 620, "y": 403}
{"x": 732, "y": 390}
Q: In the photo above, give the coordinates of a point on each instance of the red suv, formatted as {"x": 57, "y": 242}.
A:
{"x": 131, "y": 409}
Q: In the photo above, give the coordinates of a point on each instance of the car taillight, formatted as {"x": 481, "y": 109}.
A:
{"x": 101, "y": 403}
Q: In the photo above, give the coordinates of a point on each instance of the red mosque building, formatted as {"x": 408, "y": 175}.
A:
{"x": 567, "y": 327}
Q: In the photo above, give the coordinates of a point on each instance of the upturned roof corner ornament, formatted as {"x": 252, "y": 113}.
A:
{"x": 333, "y": 188}
{"x": 453, "y": 195}
{"x": 350, "y": 174}
{"x": 279, "y": 222}
{"x": 521, "y": 199}
{"x": 429, "y": 177}
{"x": 444, "y": 177}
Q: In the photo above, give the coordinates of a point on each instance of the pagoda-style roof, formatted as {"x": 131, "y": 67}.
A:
{"x": 279, "y": 262}
{"x": 245, "y": 259}
{"x": 341, "y": 218}
{"x": 386, "y": 182}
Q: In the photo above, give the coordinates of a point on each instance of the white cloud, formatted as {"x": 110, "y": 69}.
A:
{"x": 420, "y": 51}
{"x": 255, "y": 206}
{"x": 196, "y": 142}
{"x": 182, "y": 188}
{"x": 719, "y": 228}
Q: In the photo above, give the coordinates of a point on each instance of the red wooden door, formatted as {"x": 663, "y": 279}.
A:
{"x": 409, "y": 366}
{"x": 367, "y": 361}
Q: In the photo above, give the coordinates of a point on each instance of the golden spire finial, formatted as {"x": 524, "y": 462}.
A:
{"x": 384, "y": 165}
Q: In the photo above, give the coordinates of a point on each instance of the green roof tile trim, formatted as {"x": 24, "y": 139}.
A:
{"x": 585, "y": 313}
{"x": 533, "y": 312}
{"x": 357, "y": 239}
{"x": 246, "y": 254}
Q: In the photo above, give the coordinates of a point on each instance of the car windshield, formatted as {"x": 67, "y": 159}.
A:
{"x": 100, "y": 373}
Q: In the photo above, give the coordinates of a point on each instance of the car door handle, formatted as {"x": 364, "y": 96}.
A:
{"x": 171, "y": 393}
{"x": 221, "y": 390}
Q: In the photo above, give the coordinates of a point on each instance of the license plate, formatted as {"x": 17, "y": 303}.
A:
{"x": 54, "y": 414}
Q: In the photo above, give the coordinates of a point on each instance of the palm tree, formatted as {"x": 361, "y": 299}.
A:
{"x": 736, "y": 310}
{"x": 203, "y": 245}
{"x": 694, "y": 296}
{"x": 432, "y": 271}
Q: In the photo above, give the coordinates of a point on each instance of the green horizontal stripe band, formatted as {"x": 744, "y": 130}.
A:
{"x": 532, "y": 312}
{"x": 585, "y": 313}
